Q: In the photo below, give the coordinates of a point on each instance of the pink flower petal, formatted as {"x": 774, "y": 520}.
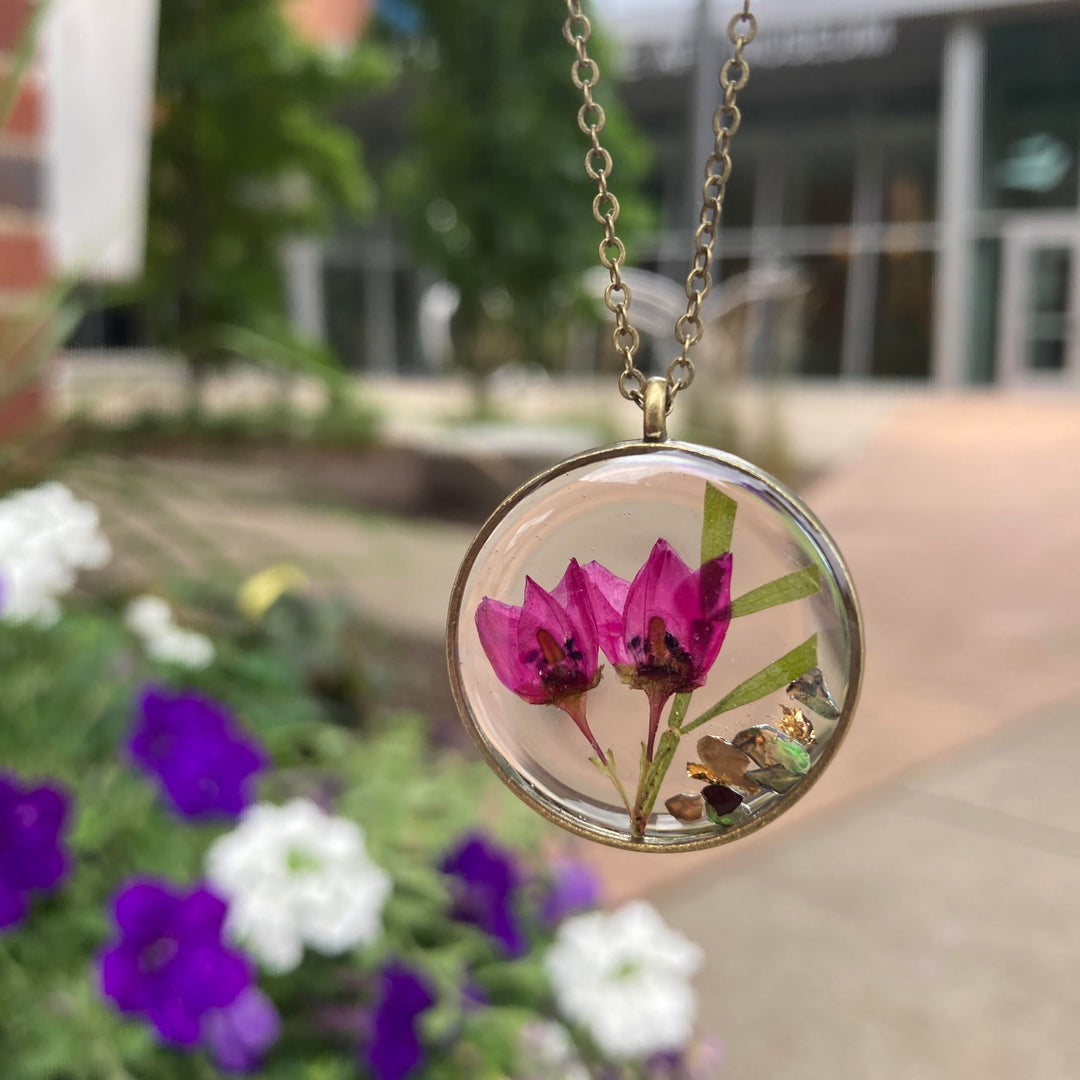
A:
{"x": 708, "y": 590}
{"x": 572, "y": 593}
{"x": 607, "y": 597}
{"x": 497, "y": 625}
{"x": 659, "y": 589}
{"x": 542, "y": 612}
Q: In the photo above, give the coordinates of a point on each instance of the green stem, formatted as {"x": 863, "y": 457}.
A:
{"x": 654, "y": 766}
{"x": 656, "y": 707}
{"x": 679, "y": 704}
{"x": 650, "y": 789}
{"x": 637, "y": 823}
{"x": 607, "y": 766}
{"x": 574, "y": 707}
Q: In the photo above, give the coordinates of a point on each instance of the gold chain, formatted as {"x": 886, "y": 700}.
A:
{"x": 689, "y": 328}
{"x": 605, "y": 207}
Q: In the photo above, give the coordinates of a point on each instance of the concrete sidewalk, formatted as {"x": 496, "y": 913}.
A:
{"x": 929, "y": 933}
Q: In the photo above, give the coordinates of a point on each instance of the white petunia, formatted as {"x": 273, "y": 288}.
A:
{"x": 151, "y": 620}
{"x": 548, "y": 1053}
{"x": 295, "y": 876}
{"x": 624, "y": 977}
{"x": 148, "y": 615}
{"x": 47, "y": 536}
{"x": 187, "y": 648}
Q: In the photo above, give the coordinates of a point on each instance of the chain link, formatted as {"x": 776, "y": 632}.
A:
{"x": 577, "y": 31}
{"x": 689, "y": 328}
{"x": 734, "y": 75}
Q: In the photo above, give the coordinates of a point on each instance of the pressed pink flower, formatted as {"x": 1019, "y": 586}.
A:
{"x": 662, "y": 631}
{"x": 546, "y": 651}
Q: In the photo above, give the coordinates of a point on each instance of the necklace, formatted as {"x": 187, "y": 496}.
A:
{"x": 724, "y": 611}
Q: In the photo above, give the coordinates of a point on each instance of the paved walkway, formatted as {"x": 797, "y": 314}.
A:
{"x": 897, "y": 923}
{"x": 929, "y": 933}
{"x": 960, "y": 521}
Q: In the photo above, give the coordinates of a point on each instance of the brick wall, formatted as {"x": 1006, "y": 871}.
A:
{"x": 23, "y": 259}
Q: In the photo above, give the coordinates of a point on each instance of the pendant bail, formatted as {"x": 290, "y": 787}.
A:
{"x": 656, "y": 404}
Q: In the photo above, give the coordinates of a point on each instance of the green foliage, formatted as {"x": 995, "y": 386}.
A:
{"x": 244, "y": 154}
{"x": 66, "y": 706}
{"x": 493, "y": 190}
{"x": 344, "y": 421}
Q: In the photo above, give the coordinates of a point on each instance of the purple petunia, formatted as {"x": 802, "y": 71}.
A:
{"x": 170, "y": 964}
{"x": 197, "y": 751}
{"x": 573, "y": 888}
{"x": 487, "y": 880}
{"x": 31, "y": 852}
{"x": 239, "y": 1036}
{"x": 395, "y": 1051}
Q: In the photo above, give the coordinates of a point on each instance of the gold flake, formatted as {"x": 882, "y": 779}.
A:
{"x": 793, "y": 724}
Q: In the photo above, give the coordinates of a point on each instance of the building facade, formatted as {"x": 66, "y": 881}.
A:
{"x": 916, "y": 161}
{"x": 913, "y": 162}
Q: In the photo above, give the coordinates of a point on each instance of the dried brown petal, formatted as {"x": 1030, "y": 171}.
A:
{"x": 725, "y": 764}
{"x": 686, "y": 808}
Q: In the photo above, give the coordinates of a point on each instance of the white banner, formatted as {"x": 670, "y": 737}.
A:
{"x": 99, "y": 61}
{"x": 634, "y": 21}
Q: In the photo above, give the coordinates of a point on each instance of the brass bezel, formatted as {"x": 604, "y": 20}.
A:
{"x": 569, "y": 821}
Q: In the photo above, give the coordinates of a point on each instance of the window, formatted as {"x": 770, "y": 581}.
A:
{"x": 824, "y": 314}
{"x": 902, "y": 329}
{"x": 1051, "y": 277}
{"x": 820, "y": 186}
{"x": 1032, "y": 137}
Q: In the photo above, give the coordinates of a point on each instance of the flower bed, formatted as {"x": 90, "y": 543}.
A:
{"x": 209, "y": 867}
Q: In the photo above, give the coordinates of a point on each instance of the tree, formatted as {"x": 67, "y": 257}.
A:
{"x": 245, "y": 154}
{"x": 493, "y": 191}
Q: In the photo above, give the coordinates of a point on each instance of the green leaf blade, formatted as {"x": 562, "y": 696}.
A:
{"x": 666, "y": 749}
{"x": 773, "y": 677}
{"x": 783, "y": 590}
{"x": 679, "y": 704}
{"x": 718, "y": 524}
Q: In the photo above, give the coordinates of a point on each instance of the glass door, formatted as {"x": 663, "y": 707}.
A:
{"x": 1040, "y": 295}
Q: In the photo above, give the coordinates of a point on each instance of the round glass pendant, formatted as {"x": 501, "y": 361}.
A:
{"x": 655, "y": 645}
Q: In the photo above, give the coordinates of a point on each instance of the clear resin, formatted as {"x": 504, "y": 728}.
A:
{"x": 655, "y": 645}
